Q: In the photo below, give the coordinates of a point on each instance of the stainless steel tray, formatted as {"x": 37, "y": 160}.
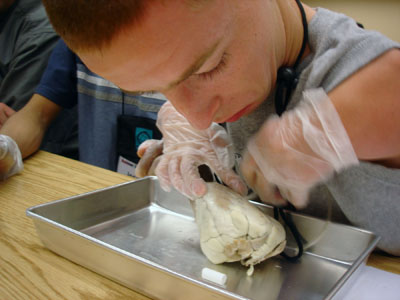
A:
{"x": 147, "y": 239}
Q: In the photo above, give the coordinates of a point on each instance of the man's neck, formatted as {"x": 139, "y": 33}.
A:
{"x": 294, "y": 29}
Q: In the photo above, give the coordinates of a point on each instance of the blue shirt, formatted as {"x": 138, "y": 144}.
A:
{"x": 67, "y": 82}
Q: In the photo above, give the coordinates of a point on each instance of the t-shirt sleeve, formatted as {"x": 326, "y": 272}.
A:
{"x": 59, "y": 82}
{"x": 26, "y": 66}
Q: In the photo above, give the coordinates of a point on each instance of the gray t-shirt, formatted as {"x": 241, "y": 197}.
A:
{"x": 26, "y": 41}
{"x": 369, "y": 194}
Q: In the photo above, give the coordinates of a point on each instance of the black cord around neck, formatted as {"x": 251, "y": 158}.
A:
{"x": 286, "y": 82}
{"x": 305, "y": 34}
{"x": 287, "y": 78}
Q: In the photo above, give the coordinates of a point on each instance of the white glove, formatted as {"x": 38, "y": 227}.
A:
{"x": 149, "y": 152}
{"x": 293, "y": 153}
{"x": 186, "y": 148}
{"x": 10, "y": 157}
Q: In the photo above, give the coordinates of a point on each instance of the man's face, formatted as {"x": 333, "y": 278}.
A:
{"x": 215, "y": 63}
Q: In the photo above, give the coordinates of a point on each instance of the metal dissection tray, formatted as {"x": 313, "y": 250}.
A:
{"x": 146, "y": 239}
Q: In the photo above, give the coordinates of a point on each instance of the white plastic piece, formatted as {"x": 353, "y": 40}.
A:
{"x": 250, "y": 271}
{"x": 213, "y": 276}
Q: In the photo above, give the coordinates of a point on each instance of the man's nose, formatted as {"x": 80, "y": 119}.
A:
{"x": 200, "y": 111}
{"x": 197, "y": 120}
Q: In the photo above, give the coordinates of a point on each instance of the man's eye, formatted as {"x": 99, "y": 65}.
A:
{"x": 218, "y": 69}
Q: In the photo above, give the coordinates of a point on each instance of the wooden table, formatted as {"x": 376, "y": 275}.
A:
{"x": 27, "y": 269}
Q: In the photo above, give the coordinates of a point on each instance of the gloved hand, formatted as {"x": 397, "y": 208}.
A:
{"x": 10, "y": 157}
{"x": 149, "y": 152}
{"x": 289, "y": 155}
{"x": 186, "y": 148}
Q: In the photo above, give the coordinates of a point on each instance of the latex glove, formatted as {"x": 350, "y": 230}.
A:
{"x": 186, "y": 148}
{"x": 307, "y": 145}
{"x": 10, "y": 157}
{"x": 149, "y": 152}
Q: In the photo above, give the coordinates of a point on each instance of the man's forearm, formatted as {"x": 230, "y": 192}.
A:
{"x": 368, "y": 104}
{"x": 27, "y": 135}
{"x": 28, "y": 126}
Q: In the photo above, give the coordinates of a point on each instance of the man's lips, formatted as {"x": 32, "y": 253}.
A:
{"x": 239, "y": 114}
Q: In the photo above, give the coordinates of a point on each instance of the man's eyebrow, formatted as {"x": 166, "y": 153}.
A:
{"x": 193, "y": 68}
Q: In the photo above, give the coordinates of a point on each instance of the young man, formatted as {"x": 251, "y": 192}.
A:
{"x": 218, "y": 61}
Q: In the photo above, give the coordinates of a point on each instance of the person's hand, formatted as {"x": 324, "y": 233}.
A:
{"x": 149, "y": 152}
{"x": 5, "y": 113}
{"x": 10, "y": 157}
{"x": 291, "y": 154}
{"x": 185, "y": 149}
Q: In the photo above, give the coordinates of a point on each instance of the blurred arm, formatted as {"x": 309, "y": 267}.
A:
{"x": 28, "y": 126}
{"x": 5, "y": 113}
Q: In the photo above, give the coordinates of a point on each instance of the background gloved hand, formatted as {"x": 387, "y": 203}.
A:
{"x": 185, "y": 149}
{"x": 10, "y": 157}
{"x": 149, "y": 152}
{"x": 293, "y": 153}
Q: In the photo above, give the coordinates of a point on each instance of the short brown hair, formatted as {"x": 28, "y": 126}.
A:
{"x": 92, "y": 24}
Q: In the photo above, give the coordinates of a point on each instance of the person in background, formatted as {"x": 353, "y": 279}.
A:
{"x": 26, "y": 42}
{"x": 227, "y": 61}
{"x": 112, "y": 123}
